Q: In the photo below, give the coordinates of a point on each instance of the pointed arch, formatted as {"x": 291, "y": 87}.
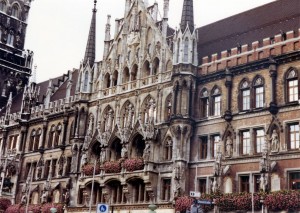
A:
{"x": 168, "y": 107}
{"x": 186, "y": 50}
{"x": 258, "y": 91}
{"x": 107, "y": 82}
{"x": 216, "y": 95}
{"x": 146, "y": 71}
{"x": 127, "y": 114}
{"x": 168, "y": 149}
{"x": 292, "y": 85}
{"x": 85, "y": 85}
{"x": 244, "y": 95}
{"x": 137, "y": 146}
{"x": 155, "y": 66}
{"x": 3, "y": 6}
{"x": 115, "y": 149}
{"x": 107, "y": 119}
{"x": 134, "y": 72}
{"x": 148, "y": 110}
{"x": 115, "y": 78}
{"x": 126, "y": 75}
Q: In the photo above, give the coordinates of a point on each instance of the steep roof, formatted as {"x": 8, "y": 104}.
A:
{"x": 247, "y": 27}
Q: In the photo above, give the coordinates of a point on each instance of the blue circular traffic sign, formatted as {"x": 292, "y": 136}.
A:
{"x": 102, "y": 208}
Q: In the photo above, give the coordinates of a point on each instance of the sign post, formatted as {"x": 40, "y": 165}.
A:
{"x": 102, "y": 208}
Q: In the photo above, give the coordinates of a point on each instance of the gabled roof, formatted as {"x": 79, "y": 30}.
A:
{"x": 247, "y": 27}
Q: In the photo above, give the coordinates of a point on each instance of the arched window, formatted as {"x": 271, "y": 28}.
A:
{"x": 86, "y": 81}
{"x": 115, "y": 78}
{"x": 138, "y": 191}
{"x": 292, "y": 85}
{"x": 57, "y": 135}
{"x": 138, "y": 146}
{"x": 258, "y": 87}
{"x": 51, "y": 136}
{"x": 10, "y": 39}
{"x": 168, "y": 107}
{"x": 204, "y": 104}
{"x": 155, "y": 66}
{"x": 107, "y": 80}
{"x": 3, "y": 6}
{"x": 245, "y": 95}
{"x": 134, "y": 72}
{"x": 15, "y": 10}
{"x": 146, "y": 69}
{"x": 186, "y": 50}
{"x": 31, "y": 141}
{"x": 115, "y": 192}
{"x": 37, "y": 139}
{"x": 56, "y": 196}
{"x": 168, "y": 149}
{"x": 126, "y": 75}
{"x": 216, "y": 98}
{"x": 149, "y": 110}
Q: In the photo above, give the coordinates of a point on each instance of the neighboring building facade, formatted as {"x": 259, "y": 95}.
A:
{"x": 164, "y": 113}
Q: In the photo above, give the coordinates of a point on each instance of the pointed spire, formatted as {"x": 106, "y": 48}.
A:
{"x": 187, "y": 18}
{"x": 90, "y": 52}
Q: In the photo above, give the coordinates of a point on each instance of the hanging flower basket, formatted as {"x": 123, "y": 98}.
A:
{"x": 112, "y": 166}
{"x": 133, "y": 164}
{"x": 88, "y": 169}
{"x": 283, "y": 200}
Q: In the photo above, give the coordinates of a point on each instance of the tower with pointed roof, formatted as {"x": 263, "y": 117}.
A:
{"x": 15, "y": 62}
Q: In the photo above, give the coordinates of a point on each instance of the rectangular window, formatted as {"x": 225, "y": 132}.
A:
{"x": 259, "y": 97}
{"x": 244, "y": 183}
{"x": 246, "y": 143}
{"x": 216, "y": 140}
{"x": 259, "y": 140}
{"x": 68, "y": 167}
{"x": 166, "y": 193}
{"x": 246, "y": 99}
{"x": 47, "y": 169}
{"x": 294, "y": 180}
{"x": 217, "y": 105}
{"x": 202, "y": 185}
{"x": 293, "y": 90}
{"x": 203, "y": 147}
{"x": 53, "y": 168}
{"x": 294, "y": 136}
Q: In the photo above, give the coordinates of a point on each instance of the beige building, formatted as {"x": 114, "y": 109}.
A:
{"x": 164, "y": 113}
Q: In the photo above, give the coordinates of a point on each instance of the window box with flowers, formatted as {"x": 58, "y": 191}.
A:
{"x": 88, "y": 169}
{"x": 183, "y": 203}
{"x": 112, "y": 166}
{"x": 283, "y": 201}
{"x": 134, "y": 164}
{"x": 4, "y": 203}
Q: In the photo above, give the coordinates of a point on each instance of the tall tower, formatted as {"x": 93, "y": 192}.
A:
{"x": 15, "y": 62}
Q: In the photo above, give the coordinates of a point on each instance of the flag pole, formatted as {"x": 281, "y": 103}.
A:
{"x": 93, "y": 181}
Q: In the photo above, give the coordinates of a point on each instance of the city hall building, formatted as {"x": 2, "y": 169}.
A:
{"x": 166, "y": 111}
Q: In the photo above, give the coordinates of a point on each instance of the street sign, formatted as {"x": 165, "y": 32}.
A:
{"x": 102, "y": 208}
{"x": 204, "y": 202}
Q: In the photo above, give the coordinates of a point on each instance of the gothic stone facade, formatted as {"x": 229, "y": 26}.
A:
{"x": 157, "y": 118}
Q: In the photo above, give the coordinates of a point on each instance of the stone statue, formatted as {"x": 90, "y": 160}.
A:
{"x": 124, "y": 152}
{"x": 274, "y": 141}
{"x": 214, "y": 185}
{"x": 24, "y": 199}
{"x": 146, "y": 154}
{"x": 83, "y": 159}
{"x": 44, "y": 197}
{"x": 229, "y": 144}
{"x": 102, "y": 156}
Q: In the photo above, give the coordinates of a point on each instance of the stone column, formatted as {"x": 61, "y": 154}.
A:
{"x": 273, "y": 74}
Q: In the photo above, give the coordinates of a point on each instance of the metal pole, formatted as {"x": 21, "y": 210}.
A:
{"x": 93, "y": 181}
{"x": 29, "y": 188}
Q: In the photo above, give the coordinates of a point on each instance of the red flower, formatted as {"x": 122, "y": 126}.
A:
{"x": 183, "y": 203}
{"x": 133, "y": 164}
{"x": 88, "y": 169}
{"x": 4, "y": 203}
{"x": 112, "y": 166}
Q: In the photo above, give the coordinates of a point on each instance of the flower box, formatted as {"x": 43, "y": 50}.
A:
{"x": 88, "y": 169}
{"x": 112, "y": 166}
{"x": 133, "y": 164}
{"x": 283, "y": 200}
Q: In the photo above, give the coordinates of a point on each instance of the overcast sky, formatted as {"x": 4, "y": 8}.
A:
{"x": 58, "y": 29}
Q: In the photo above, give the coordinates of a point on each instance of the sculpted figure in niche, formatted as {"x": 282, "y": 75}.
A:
{"x": 146, "y": 154}
{"x": 124, "y": 152}
{"x": 214, "y": 185}
{"x": 44, "y": 197}
{"x": 274, "y": 141}
{"x": 102, "y": 156}
{"x": 229, "y": 146}
{"x": 83, "y": 159}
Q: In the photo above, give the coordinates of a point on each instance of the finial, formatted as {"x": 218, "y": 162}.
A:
{"x": 95, "y": 4}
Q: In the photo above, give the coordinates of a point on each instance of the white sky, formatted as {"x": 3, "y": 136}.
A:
{"x": 58, "y": 29}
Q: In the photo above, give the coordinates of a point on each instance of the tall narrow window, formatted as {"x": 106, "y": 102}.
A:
{"x": 15, "y": 10}
{"x": 259, "y": 140}
{"x": 166, "y": 189}
{"x": 86, "y": 81}
{"x": 244, "y": 184}
{"x": 245, "y": 95}
{"x": 32, "y": 140}
{"x": 202, "y": 185}
{"x": 10, "y": 39}
{"x": 2, "y": 6}
{"x": 246, "y": 142}
{"x": 203, "y": 147}
{"x": 294, "y": 136}
{"x": 186, "y": 50}
{"x": 178, "y": 51}
{"x": 259, "y": 92}
{"x": 294, "y": 180}
{"x": 292, "y": 86}
{"x": 216, "y": 93}
{"x": 216, "y": 140}
{"x": 204, "y": 104}
{"x": 168, "y": 149}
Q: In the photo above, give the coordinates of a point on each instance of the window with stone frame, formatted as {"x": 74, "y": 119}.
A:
{"x": 293, "y": 136}
{"x": 68, "y": 166}
{"x": 294, "y": 180}
{"x": 245, "y": 96}
{"x": 85, "y": 81}
{"x": 203, "y": 147}
{"x": 15, "y": 10}
{"x": 186, "y": 50}
{"x": 31, "y": 140}
{"x": 166, "y": 189}
{"x": 216, "y": 143}
{"x": 245, "y": 142}
{"x": 258, "y": 87}
{"x": 204, "y": 104}
{"x": 168, "y": 109}
{"x": 244, "y": 183}
{"x": 53, "y": 167}
{"x": 202, "y": 185}
{"x": 256, "y": 182}
{"x": 2, "y": 7}
{"x": 37, "y": 139}
{"x": 57, "y": 137}
{"x": 47, "y": 168}
{"x": 259, "y": 140}
{"x": 51, "y": 136}
{"x": 216, "y": 101}
{"x": 168, "y": 150}
{"x": 10, "y": 38}
{"x": 292, "y": 86}
{"x": 12, "y": 142}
